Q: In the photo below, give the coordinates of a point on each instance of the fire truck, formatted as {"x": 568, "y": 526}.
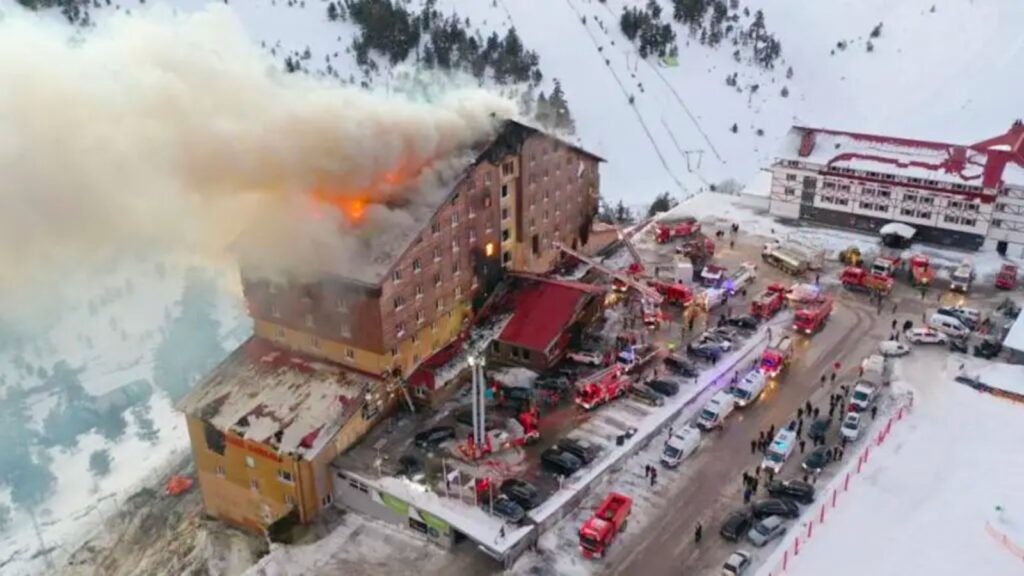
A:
{"x": 769, "y": 302}
{"x": 674, "y": 293}
{"x": 601, "y": 388}
{"x": 777, "y": 356}
{"x": 668, "y": 231}
{"x": 812, "y": 316}
{"x": 921, "y": 271}
{"x": 597, "y": 533}
{"x": 712, "y": 276}
{"x": 859, "y": 279}
{"x": 1007, "y": 278}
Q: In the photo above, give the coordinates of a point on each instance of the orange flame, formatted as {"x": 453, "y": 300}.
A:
{"x": 353, "y": 202}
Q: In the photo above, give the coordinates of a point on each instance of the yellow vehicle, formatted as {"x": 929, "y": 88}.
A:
{"x": 851, "y": 256}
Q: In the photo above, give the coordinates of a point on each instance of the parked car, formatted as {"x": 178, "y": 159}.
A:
{"x": 507, "y": 509}
{"x": 735, "y": 525}
{"x": 958, "y": 345}
{"x": 926, "y": 336}
{"x": 819, "y": 428}
{"x": 950, "y": 325}
{"x": 560, "y": 462}
{"x": 863, "y": 396}
{"x": 795, "y": 490}
{"x": 723, "y": 342}
{"x": 744, "y": 322}
{"x": 681, "y": 365}
{"x": 664, "y": 387}
{"x": 646, "y": 395}
{"x": 988, "y": 349}
{"x": 969, "y": 317}
{"x": 736, "y": 564}
{"x": 680, "y": 445}
{"x": 892, "y": 349}
{"x": 584, "y": 450}
{"x": 521, "y": 492}
{"x": 775, "y": 507}
{"x": 816, "y": 460}
{"x": 709, "y": 351}
{"x": 851, "y": 426}
{"x": 765, "y": 531}
{"x": 433, "y": 437}
{"x": 725, "y": 332}
{"x": 591, "y": 357}
{"x": 558, "y": 384}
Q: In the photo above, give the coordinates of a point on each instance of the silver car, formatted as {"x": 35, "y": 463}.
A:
{"x": 766, "y": 530}
{"x": 736, "y": 564}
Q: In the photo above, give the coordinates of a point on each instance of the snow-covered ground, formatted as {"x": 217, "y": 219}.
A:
{"x": 111, "y": 333}
{"x": 930, "y": 495}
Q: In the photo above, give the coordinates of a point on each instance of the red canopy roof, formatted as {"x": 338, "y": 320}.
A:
{"x": 543, "y": 310}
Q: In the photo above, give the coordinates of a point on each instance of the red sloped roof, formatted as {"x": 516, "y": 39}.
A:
{"x": 543, "y": 310}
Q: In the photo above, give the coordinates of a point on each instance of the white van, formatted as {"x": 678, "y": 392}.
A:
{"x": 679, "y": 446}
{"x": 779, "y": 450}
{"x": 863, "y": 396}
{"x": 948, "y": 325}
{"x": 716, "y": 411}
{"x": 711, "y": 298}
{"x": 960, "y": 280}
{"x": 749, "y": 389}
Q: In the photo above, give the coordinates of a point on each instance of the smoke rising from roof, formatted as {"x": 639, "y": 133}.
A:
{"x": 177, "y": 132}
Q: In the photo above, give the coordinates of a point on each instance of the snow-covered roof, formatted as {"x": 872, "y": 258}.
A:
{"x": 898, "y": 229}
{"x": 1015, "y": 337}
{"x": 289, "y": 402}
{"x": 987, "y": 163}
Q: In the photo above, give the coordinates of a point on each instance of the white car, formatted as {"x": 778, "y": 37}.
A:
{"x": 863, "y": 396}
{"x": 851, "y": 426}
{"x": 586, "y": 357}
{"x": 736, "y": 564}
{"x": 891, "y": 348}
{"x": 926, "y": 336}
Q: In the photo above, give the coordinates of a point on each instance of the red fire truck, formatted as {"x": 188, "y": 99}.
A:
{"x": 597, "y": 533}
{"x": 674, "y": 293}
{"x": 666, "y": 232}
{"x": 1007, "y": 278}
{"x": 858, "y": 279}
{"x": 812, "y": 316}
{"x": 601, "y": 388}
{"x": 769, "y": 302}
{"x": 777, "y": 356}
{"x": 921, "y": 271}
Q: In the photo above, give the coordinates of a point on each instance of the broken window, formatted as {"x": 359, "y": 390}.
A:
{"x": 215, "y": 441}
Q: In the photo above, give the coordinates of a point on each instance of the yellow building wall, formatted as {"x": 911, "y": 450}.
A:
{"x": 410, "y": 353}
{"x": 225, "y": 481}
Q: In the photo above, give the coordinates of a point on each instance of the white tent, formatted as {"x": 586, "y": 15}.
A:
{"x": 898, "y": 229}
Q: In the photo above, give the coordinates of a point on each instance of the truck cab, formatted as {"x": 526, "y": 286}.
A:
{"x": 776, "y": 356}
{"x": 599, "y": 530}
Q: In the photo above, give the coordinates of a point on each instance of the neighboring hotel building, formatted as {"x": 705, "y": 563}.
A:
{"x": 320, "y": 370}
{"x": 963, "y": 196}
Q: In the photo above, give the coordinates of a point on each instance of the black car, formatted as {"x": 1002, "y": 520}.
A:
{"x": 796, "y": 490}
{"x": 646, "y": 395}
{"x": 706, "y": 351}
{"x": 521, "y": 492}
{"x": 681, "y": 366}
{"x": 432, "y": 437}
{"x": 518, "y": 394}
{"x": 958, "y": 345}
{"x": 409, "y": 466}
{"x": 507, "y": 509}
{"x": 817, "y": 460}
{"x": 585, "y": 451}
{"x": 664, "y": 387}
{"x": 736, "y": 525}
{"x": 818, "y": 429}
{"x": 988, "y": 349}
{"x": 560, "y": 462}
{"x": 775, "y": 507}
{"x": 744, "y": 322}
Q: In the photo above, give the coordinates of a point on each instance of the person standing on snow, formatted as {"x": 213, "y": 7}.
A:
{"x": 698, "y": 532}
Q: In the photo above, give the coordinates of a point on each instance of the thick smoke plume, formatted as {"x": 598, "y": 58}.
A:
{"x": 177, "y": 132}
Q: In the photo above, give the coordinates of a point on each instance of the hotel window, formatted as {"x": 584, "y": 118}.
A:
{"x": 415, "y": 339}
{"x": 433, "y": 326}
{"x": 925, "y": 215}
{"x": 455, "y": 244}
{"x": 315, "y": 342}
{"x": 955, "y": 204}
{"x": 458, "y": 291}
{"x": 341, "y": 304}
{"x": 908, "y": 212}
{"x": 399, "y": 302}
{"x": 508, "y": 168}
{"x": 219, "y": 471}
{"x": 350, "y": 354}
{"x": 416, "y": 266}
{"x": 437, "y": 278}
{"x": 844, "y": 187}
{"x": 506, "y": 257}
{"x": 829, "y": 185}
{"x": 254, "y": 485}
{"x": 926, "y": 200}
{"x": 950, "y": 218}
{"x": 884, "y": 193}
{"x": 789, "y": 191}
{"x": 504, "y": 191}
{"x": 280, "y": 333}
{"x": 472, "y": 235}
{"x": 910, "y": 198}
{"x": 394, "y": 352}
{"x": 345, "y": 330}
{"x": 435, "y": 227}
{"x": 396, "y": 276}
{"x": 437, "y": 253}
{"x": 487, "y": 201}
{"x": 289, "y": 500}
{"x": 455, "y": 219}
{"x": 419, "y": 291}
{"x": 250, "y": 462}
{"x": 400, "y": 329}
{"x": 504, "y": 213}
{"x": 455, "y": 267}
{"x": 309, "y": 321}
{"x": 506, "y": 235}
{"x": 274, "y": 310}
{"x": 285, "y": 476}
{"x": 419, "y": 317}
{"x": 472, "y": 211}
{"x": 439, "y": 304}
{"x": 967, "y": 221}
{"x": 971, "y": 207}
{"x": 790, "y": 177}
{"x": 487, "y": 179}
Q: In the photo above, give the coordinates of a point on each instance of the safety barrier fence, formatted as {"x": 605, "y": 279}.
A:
{"x": 781, "y": 561}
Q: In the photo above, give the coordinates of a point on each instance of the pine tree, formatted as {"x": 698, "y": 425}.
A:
{"x": 662, "y": 203}
{"x": 544, "y": 114}
{"x": 332, "y": 12}
{"x": 560, "y": 107}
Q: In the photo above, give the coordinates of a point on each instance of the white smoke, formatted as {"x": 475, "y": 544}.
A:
{"x": 176, "y": 132}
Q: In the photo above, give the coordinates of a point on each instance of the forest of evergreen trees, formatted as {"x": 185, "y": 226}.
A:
{"x": 645, "y": 28}
{"x": 714, "y": 21}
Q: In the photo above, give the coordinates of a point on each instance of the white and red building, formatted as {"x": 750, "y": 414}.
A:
{"x": 954, "y": 195}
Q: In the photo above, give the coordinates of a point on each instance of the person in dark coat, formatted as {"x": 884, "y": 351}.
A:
{"x": 894, "y": 324}
{"x": 802, "y": 443}
{"x": 746, "y": 496}
{"x": 698, "y": 532}
{"x": 807, "y": 407}
{"x": 753, "y": 446}
{"x": 816, "y": 412}
{"x": 874, "y": 412}
{"x": 771, "y": 432}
